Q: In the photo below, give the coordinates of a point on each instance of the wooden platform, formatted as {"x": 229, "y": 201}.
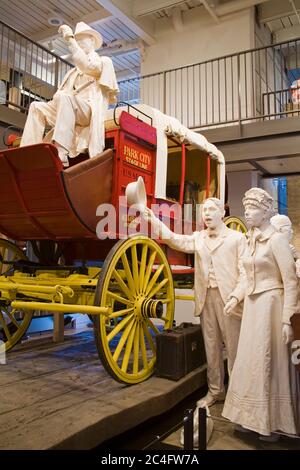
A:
{"x": 58, "y": 396}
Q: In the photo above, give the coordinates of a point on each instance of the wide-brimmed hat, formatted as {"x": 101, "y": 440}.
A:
{"x": 136, "y": 193}
{"x": 83, "y": 28}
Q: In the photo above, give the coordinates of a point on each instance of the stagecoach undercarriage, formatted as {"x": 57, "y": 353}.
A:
{"x": 130, "y": 299}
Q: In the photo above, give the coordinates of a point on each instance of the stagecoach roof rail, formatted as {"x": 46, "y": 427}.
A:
{"x": 129, "y": 106}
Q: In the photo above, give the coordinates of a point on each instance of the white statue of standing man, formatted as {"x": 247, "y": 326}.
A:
{"x": 77, "y": 111}
{"x": 218, "y": 281}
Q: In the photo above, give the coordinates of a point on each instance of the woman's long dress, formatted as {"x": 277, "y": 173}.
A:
{"x": 259, "y": 394}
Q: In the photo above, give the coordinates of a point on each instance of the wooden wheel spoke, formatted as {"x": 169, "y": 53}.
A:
{"x": 153, "y": 327}
{"x": 123, "y": 339}
{"x": 135, "y": 268}
{"x": 154, "y": 278}
{"x": 149, "y": 269}
{"x": 3, "y": 322}
{"x": 128, "y": 273}
{"x": 157, "y": 288}
{"x": 121, "y": 313}
{"x": 149, "y": 338}
{"x": 143, "y": 348}
{"x": 122, "y": 284}
{"x": 128, "y": 349}
{"x": 14, "y": 321}
{"x": 119, "y": 327}
{"x": 136, "y": 351}
{"x": 119, "y": 298}
{"x": 143, "y": 266}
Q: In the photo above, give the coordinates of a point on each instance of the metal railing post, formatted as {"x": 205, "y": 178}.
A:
{"x": 188, "y": 429}
{"x": 239, "y": 89}
{"x": 202, "y": 428}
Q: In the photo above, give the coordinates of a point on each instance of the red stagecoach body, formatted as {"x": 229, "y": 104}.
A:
{"x": 40, "y": 200}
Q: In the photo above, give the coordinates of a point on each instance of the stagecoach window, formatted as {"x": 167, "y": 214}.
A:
{"x": 195, "y": 176}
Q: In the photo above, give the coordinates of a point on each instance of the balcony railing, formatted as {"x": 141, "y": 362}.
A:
{"x": 28, "y": 71}
{"x": 248, "y": 86}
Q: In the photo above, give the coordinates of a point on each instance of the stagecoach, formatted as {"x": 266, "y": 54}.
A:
{"x": 125, "y": 284}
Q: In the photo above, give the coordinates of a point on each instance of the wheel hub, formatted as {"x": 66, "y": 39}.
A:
{"x": 152, "y": 308}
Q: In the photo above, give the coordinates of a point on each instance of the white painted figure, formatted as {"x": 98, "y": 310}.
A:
{"x": 77, "y": 111}
{"x": 283, "y": 224}
{"x": 218, "y": 280}
{"x": 259, "y": 396}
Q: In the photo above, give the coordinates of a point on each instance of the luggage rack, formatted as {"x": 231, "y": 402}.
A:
{"x": 129, "y": 107}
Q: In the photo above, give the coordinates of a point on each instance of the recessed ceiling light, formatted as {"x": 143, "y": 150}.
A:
{"x": 55, "y": 20}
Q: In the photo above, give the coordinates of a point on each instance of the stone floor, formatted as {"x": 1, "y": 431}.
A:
{"x": 58, "y": 396}
{"x": 224, "y": 437}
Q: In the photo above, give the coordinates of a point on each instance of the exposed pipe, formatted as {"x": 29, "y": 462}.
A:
{"x": 210, "y": 11}
{"x": 295, "y": 10}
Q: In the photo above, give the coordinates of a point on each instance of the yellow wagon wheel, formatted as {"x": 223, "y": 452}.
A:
{"x": 136, "y": 283}
{"x": 13, "y": 323}
{"x": 235, "y": 224}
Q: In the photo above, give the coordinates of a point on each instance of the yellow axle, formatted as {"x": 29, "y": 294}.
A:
{"x": 184, "y": 297}
{"x": 61, "y": 308}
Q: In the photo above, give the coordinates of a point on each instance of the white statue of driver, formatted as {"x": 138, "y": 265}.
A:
{"x": 77, "y": 111}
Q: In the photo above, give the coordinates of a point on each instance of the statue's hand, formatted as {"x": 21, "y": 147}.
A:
{"x": 148, "y": 215}
{"x": 287, "y": 333}
{"x": 66, "y": 32}
{"x": 230, "y": 305}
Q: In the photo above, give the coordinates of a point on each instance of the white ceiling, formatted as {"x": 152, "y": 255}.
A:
{"x": 267, "y": 167}
{"x": 282, "y": 17}
{"x": 30, "y": 17}
{"x": 281, "y": 165}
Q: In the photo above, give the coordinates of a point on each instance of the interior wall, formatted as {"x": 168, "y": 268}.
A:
{"x": 201, "y": 39}
{"x": 213, "y": 90}
{"x": 238, "y": 183}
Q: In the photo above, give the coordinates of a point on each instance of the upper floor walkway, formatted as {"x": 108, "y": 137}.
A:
{"x": 237, "y": 97}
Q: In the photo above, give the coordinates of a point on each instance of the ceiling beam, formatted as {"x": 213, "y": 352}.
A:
{"x": 127, "y": 74}
{"x": 276, "y": 9}
{"x": 120, "y": 47}
{"x": 90, "y": 19}
{"x": 287, "y": 34}
{"x": 122, "y": 9}
{"x": 147, "y": 7}
{"x": 235, "y": 6}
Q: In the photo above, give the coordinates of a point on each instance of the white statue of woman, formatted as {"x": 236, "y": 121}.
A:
{"x": 259, "y": 396}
